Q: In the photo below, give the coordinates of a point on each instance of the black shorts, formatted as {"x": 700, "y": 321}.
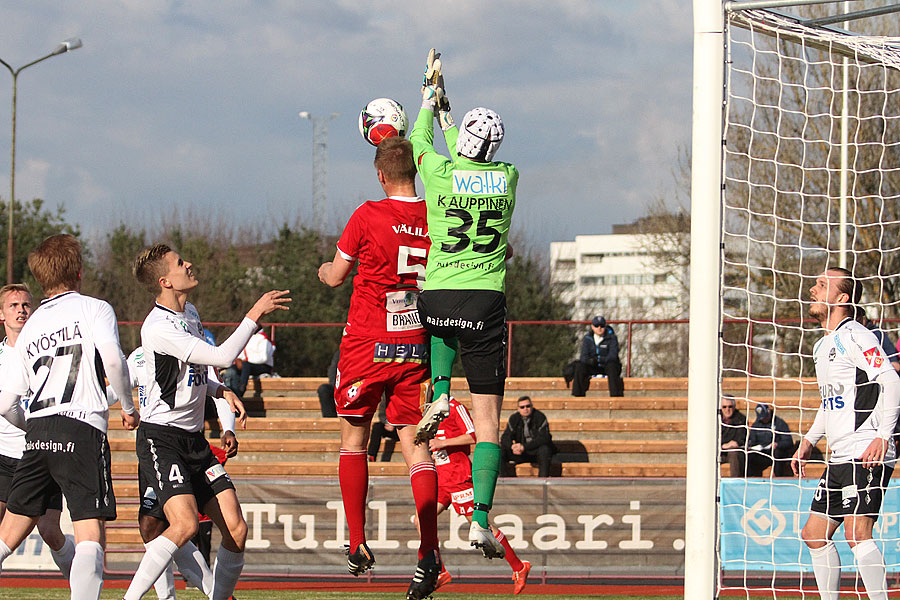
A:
{"x": 8, "y": 467}
{"x": 477, "y": 318}
{"x": 849, "y": 489}
{"x": 68, "y": 456}
{"x": 171, "y": 462}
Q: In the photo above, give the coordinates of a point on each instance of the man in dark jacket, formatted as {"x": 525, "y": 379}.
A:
{"x": 769, "y": 443}
{"x": 527, "y": 438}
{"x": 733, "y": 436}
{"x": 599, "y": 355}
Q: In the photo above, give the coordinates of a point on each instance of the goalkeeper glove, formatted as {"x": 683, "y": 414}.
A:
{"x": 433, "y": 97}
{"x": 432, "y": 69}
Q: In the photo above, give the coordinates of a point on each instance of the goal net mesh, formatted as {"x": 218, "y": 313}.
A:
{"x": 781, "y": 226}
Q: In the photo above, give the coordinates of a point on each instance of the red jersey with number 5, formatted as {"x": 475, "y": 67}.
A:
{"x": 390, "y": 240}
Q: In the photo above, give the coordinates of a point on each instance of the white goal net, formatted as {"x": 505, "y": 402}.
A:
{"x": 811, "y": 179}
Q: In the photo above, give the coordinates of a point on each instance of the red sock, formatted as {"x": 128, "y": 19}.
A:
{"x": 353, "y": 474}
{"x": 423, "y": 479}
{"x": 511, "y": 557}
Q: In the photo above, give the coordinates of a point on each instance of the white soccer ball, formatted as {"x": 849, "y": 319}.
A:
{"x": 382, "y": 118}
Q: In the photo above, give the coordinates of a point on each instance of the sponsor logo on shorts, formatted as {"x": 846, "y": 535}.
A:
{"x": 149, "y": 499}
{"x": 463, "y": 496}
{"x": 353, "y": 391}
{"x": 50, "y": 446}
{"x": 214, "y": 472}
{"x": 399, "y": 353}
{"x": 458, "y": 323}
{"x": 848, "y": 493}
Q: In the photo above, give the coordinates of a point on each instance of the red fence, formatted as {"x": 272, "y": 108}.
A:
{"x": 626, "y": 333}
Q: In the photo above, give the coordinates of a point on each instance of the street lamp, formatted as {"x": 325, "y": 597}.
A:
{"x": 320, "y": 167}
{"x": 61, "y": 48}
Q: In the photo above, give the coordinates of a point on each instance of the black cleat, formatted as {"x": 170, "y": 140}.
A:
{"x": 425, "y": 579}
{"x": 360, "y": 561}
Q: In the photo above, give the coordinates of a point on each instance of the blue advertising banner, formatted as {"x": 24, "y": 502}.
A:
{"x": 760, "y": 522}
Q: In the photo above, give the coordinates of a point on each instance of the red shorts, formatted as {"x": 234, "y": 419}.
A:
{"x": 460, "y": 497}
{"x": 369, "y": 368}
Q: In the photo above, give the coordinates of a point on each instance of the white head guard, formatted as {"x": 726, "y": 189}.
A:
{"x": 480, "y": 134}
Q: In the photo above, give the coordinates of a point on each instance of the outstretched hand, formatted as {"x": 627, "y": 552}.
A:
{"x": 269, "y": 303}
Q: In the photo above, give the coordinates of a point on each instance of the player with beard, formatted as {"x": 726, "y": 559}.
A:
{"x": 860, "y": 394}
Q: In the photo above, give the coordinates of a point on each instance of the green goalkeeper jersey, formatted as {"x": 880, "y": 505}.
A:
{"x": 470, "y": 206}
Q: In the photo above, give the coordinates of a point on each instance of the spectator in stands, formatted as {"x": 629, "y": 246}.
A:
{"x": 769, "y": 443}
{"x": 527, "y": 438}
{"x": 599, "y": 356}
{"x": 326, "y": 390}
{"x": 733, "y": 436}
{"x": 890, "y": 349}
{"x": 258, "y": 359}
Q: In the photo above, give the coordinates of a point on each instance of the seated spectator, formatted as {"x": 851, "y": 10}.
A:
{"x": 599, "y": 356}
{"x": 381, "y": 429}
{"x": 258, "y": 359}
{"x": 527, "y": 438}
{"x": 326, "y": 390}
{"x": 733, "y": 437}
{"x": 769, "y": 443}
{"x": 890, "y": 349}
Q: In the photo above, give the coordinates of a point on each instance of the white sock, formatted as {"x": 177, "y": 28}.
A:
{"x": 827, "y": 568}
{"x": 194, "y": 568}
{"x": 63, "y": 557}
{"x": 4, "y": 552}
{"x": 226, "y": 572}
{"x": 870, "y": 563}
{"x": 86, "y": 579}
{"x": 156, "y": 559}
{"x": 165, "y": 585}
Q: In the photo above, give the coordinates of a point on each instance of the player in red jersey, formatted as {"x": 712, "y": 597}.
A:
{"x": 450, "y": 449}
{"x": 383, "y": 351}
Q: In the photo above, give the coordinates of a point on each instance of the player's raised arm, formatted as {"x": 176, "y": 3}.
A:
{"x": 223, "y": 355}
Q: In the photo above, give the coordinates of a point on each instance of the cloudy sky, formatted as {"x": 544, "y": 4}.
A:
{"x": 188, "y": 109}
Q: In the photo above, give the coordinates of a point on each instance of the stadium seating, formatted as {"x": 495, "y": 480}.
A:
{"x": 643, "y": 434}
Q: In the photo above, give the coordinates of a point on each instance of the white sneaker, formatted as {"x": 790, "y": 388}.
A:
{"x": 484, "y": 539}
{"x": 436, "y": 412}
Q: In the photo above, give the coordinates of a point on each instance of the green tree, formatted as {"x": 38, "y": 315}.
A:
{"x": 33, "y": 222}
{"x": 291, "y": 261}
{"x": 537, "y": 350}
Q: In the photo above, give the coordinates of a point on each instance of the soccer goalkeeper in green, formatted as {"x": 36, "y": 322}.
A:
{"x": 470, "y": 200}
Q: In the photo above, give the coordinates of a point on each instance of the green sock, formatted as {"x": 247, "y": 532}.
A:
{"x": 443, "y": 353}
{"x": 485, "y": 470}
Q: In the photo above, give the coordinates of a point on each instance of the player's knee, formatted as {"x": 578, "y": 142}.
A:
{"x": 236, "y": 539}
{"x": 51, "y": 534}
{"x": 150, "y": 527}
{"x": 812, "y": 538}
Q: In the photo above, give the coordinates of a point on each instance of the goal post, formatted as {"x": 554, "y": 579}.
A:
{"x": 703, "y": 373}
{"x": 795, "y": 167}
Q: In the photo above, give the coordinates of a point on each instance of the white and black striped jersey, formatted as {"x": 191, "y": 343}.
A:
{"x": 176, "y": 389}
{"x": 57, "y": 361}
{"x": 12, "y": 439}
{"x": 853, "y": 410}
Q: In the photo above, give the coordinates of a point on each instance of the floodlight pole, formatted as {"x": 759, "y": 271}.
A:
{"x": 320, "y": 168}
{"x": 62, "y": 48}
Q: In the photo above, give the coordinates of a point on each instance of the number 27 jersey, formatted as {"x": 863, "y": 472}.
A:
{"x": 58, "y": 361}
